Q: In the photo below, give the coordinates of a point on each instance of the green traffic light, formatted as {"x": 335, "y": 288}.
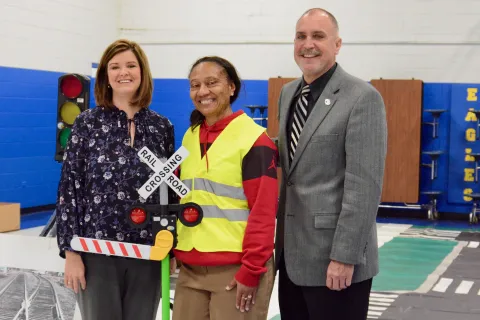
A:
{"x": 64, "y": 134}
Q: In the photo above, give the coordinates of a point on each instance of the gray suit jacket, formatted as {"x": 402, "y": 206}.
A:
{"x": 330, "y": 192}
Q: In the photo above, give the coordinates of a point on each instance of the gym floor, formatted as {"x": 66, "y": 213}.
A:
{"x": 429, "y": 270}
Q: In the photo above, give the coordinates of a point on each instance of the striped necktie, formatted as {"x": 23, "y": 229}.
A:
{"x": 299, "y": 118}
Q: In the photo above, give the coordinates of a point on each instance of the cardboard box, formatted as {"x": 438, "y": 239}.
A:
{"x": 9, "y": 216}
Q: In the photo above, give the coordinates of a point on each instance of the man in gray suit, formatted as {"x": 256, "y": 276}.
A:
{"x": 332, "y": 143}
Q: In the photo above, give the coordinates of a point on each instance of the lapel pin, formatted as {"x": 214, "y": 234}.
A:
{"x": 327, "y": 102}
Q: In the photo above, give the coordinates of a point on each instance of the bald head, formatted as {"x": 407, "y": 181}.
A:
{"x": 321, "y": 12}
{"x": 317, "y": 43}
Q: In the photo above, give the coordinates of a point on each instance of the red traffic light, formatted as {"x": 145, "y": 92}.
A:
{"x": 138, "y": 215}
{"x": 71, "y": 86}
{"x": 191, "y": 214}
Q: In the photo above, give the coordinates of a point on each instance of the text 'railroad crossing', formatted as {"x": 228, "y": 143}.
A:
{"x": 164, "y": 172}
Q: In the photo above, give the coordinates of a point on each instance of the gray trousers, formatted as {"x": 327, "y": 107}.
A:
{"x": 119, "y": 288}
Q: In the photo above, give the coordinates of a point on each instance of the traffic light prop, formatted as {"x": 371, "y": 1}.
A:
{"x": 164, "y": 223}
{"x": 163, "y": 217}
{"x": 73, "y": 98}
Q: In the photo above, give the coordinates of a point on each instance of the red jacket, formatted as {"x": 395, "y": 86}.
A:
{"x": 259, "y": 171}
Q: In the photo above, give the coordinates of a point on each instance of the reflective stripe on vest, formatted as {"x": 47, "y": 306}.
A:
{"x": 218, "y": 190}
{"x": 229, "y": 214}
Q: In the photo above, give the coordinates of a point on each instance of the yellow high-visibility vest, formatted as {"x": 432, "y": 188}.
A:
{"x": 218, "y": 190}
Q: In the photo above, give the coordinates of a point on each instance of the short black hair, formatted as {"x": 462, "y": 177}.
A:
{"x": 196, "y": 118}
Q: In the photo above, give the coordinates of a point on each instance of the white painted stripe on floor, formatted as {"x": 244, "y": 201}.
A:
{"x": 394, "y": 230}
{"x": 442, "y": 285}
{"x": 387, "y": 232}
{"x": 432, "y": 232}
{"x": 384, "y": 238}
{"x": 473, "y": 244}
{"x": 422, "y": 236}
{"x": 440, "y": 231}
{"x": 394, "y": 226}
{"x": 377, "y": 308}
{"x": 441, "y": 268}
{"x": 381, "y": 300}
{"x": 379, "y": 303}
{"x": 464, "y": 287}
{"x": 385, "y": 304}
{"x": 383, "y": 295}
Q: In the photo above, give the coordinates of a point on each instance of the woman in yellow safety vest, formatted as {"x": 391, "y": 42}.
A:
{"x": 227, "y": 269}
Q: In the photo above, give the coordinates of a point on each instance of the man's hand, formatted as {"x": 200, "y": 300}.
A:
{"x": 245, "y": 295}
{"x": 339, "y": 275}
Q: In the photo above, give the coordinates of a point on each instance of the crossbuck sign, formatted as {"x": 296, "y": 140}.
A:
{"x": 164, "y": 172}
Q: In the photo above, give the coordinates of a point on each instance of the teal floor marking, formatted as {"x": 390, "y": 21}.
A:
{"x": 452, "y": 226}
{"x": 405, "y": 263}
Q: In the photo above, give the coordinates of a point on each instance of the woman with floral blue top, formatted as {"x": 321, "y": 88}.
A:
{"x": 99, "y": 180}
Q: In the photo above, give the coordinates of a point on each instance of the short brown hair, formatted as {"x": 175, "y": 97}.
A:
{"x": 103, "y": 94}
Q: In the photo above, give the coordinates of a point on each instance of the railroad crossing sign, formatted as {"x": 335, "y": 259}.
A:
{"x": 164, "y": 172}
{"x": 164, "y": 224}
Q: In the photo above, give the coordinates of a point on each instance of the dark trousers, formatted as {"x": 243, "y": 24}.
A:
{"x": 119, "y": 288}
{"x": 321, "y": 303}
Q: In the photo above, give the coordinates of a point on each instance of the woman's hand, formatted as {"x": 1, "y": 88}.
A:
{"x": 74, "y": 271}
{"x": 245, "y": 295}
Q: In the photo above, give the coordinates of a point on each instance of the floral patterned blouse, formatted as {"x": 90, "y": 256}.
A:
{"x": 101, "y": 174}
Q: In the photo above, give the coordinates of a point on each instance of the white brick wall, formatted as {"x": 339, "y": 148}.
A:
{"x": 56, "y": 35}
{"x": 432, "y": 40}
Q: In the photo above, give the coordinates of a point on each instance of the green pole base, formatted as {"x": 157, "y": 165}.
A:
{"x": 166, "y": 288}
